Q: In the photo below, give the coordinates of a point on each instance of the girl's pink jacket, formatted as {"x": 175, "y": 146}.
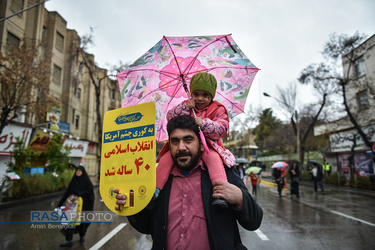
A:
{"x": 215, "y": 127}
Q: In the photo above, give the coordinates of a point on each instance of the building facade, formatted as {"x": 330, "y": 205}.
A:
{"x": 75, "y": 80}
{"x": 360, "y": 95}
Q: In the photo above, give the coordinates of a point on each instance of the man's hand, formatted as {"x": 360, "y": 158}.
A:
{"x": 231, "y": 193}
{"x": 121, "y": 199}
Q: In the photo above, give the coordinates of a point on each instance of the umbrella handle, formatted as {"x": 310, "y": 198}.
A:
{"x": 203, "y": 139}
{"x": 204, "y": 142}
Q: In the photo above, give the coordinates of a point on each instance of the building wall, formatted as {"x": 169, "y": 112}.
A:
{"x": 38, "y": 23}
{"x": 364, "y": 83}
{"x": 14, "y": 25}
{"x": 342, "y": 131}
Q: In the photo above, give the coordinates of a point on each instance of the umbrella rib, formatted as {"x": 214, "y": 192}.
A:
{"x": 233, "y": 103}
{"x": 168, "y": 74}
{"x": 174, "y": 55}
{"x": 189, "y": 67}
{"x": 187, "y": 71}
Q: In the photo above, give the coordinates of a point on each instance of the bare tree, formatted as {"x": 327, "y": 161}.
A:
{"x": 302, "y": 121}
{"x": 98, "y": 77}
{"x": 24, "y": 82}
{"x": 327, "y": 75}
{"x": 246, "y": 120}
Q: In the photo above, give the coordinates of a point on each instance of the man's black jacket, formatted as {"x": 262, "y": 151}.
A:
{"x": 221, "y": 224}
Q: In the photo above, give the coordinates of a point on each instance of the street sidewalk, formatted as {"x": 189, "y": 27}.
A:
{"x": 268, "y": 180}
{"x": 9, "y": 204}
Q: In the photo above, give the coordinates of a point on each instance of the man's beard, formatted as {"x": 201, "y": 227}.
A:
{"x": 189, "y": 165}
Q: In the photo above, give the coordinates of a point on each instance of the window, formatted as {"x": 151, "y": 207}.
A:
{"x": 12, "y": 41}
{"x": 57, "y": 74}
{"x": 111, "y": 93}
{"x": 79, "y": 94}
{"x": 360, "y": 67}
{"x": 44, "y": 30}
{"x": 17, "y": 5}
{"x": 77, "y": 122}
{"x": 59, "y": 41}
{"x": 74, "y": 115}
{"x": 362, "y": 99}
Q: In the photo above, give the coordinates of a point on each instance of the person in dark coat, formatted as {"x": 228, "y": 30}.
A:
{"x": 294, "y": 179}
{"x": 318, "y": 177}
{"x": 182, "y": 216}
{"x": 80, "y": 185}
{"x": 279, "y": 175}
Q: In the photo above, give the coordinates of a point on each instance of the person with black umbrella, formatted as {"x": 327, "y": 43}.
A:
{"x": 318, "y": 177}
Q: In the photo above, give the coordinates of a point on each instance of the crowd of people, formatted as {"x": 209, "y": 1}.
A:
{"x": 316, "y": 170}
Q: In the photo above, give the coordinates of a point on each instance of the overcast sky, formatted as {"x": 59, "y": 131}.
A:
{"x": 281, "y": 37}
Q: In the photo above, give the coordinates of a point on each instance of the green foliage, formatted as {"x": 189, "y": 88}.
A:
{"x": 363, "y": 183}
{"x": 307, "y": 176}
{"x": 266, "y": 153}
{"x": 31, "y": 185}
{"x": 57, "y": 154}
{"x": 267, "y": 125}
{"x": 22, "y": 157}
{"x": 334, "y": 179}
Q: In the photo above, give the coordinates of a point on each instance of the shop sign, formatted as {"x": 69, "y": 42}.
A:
{"x": 343, "y": 141}
{"x": 77, "y": 148}
{"x": 9, "y": 134}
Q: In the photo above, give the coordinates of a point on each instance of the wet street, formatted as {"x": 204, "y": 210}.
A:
{"x": 342, "y": 219}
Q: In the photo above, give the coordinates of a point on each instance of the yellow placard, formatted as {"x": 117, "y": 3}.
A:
{"x": 128, "y": 160}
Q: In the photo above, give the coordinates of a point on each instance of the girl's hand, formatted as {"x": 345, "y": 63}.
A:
{"x": 199, "y": 121}
{"x": 190, "y": 103}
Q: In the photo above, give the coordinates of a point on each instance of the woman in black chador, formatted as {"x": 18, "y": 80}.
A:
{"x": 294, "y": 176}
{"x": 80, "y": 185}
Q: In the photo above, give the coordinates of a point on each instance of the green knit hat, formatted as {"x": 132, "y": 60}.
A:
{"x": 203, "y": 81}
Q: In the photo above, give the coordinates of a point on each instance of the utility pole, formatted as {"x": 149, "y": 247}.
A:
{"x": 298, "y": 136}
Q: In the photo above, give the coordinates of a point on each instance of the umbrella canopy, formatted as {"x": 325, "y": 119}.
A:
{"x": 254, "y": 163}
{"x": 242, "y": 160}
{"x": 279, "y": 164}
{"x": 254, "y": 170}
{"x": 13, "y": 176}
{"x": 309, "y": 163}
{"x": 163, "y": 73}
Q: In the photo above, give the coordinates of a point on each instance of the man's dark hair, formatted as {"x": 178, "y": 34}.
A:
{"x": 183, "y": 122}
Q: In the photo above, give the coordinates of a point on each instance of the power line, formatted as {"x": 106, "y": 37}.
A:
{"x": 18, "y": 12}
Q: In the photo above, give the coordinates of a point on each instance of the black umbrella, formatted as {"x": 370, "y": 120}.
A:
{"x": 242, "y": 160}
{"x": 309, "y": 163}
{"x": 260, "y": 164}
{"x": 254, "y": 163}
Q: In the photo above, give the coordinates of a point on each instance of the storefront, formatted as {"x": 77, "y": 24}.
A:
{"x": 8, "y": 141}
{"x": 342, "y": 143}
{"x": 78, "y": 150}
{"x": 42, "y": 136}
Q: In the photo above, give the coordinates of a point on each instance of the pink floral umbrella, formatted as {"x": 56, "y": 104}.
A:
{"x": 163, "y": 73}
